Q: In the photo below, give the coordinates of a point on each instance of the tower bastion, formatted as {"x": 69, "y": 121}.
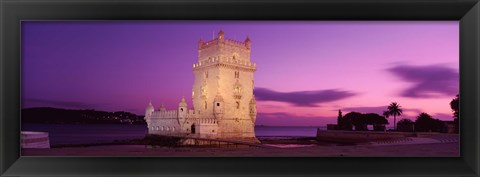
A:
{"x": 224, "y": 106}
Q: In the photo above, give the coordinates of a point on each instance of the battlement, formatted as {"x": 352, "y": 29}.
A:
{"x": 165, "y": 114}
{"x": 224, "y": 41}
{"x": 226, "y": 61}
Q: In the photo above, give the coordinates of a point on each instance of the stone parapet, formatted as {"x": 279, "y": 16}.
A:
{"x": 217, "y": 41}
{"x": 226, "y": 62}
{"x": 165, "y": 114}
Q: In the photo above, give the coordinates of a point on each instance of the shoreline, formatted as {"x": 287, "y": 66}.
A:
{"x": 263, "y": 140}
{"x": 406, "y": 150}
{"x": 277, "y": 147}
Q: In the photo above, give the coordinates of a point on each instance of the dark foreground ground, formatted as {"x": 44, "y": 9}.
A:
{"x": 278, "y": 148}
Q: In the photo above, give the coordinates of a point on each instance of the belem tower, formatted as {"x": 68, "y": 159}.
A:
{"x": 224, "y": 106}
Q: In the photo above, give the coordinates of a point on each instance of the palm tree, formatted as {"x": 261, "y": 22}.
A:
{"x": 386, "y": 114}
{"x": 395, "y": 110}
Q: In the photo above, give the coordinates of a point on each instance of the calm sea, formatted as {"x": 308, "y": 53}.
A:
{"x": 84, "y": 134}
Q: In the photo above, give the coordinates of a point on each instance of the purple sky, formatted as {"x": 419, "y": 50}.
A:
{"x": 306, "y": 71}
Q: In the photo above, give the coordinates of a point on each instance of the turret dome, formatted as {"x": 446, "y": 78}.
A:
{"x": 248, "y": 43}
{"x": 150, "y": 106}
{"x": 183, "y": 103}
{"x": 221, "y": 34}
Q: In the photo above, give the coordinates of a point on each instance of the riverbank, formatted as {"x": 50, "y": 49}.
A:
{"x": 407, "y": 150}
{"x": 273, "y": 147}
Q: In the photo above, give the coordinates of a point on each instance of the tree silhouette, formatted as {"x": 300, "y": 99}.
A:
{"x": 339, "y": 118}
{"x": 352, "y": 118}
{"x": 405, "y": 125}
{"x": 454, "y": 104}
{"x": 361, "y": 121}
{"x": 425, "y": 123}
{"x": 395, "y": 110}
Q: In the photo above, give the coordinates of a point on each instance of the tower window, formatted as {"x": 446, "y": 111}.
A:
{"x": 237, "y": 74}
{"x": 205, "y": 104}
{"x": 238, "y": 105}
{"x": 206, "y": 74}
{"x": 218, "y": 104}
{"x": 181, "y": 109}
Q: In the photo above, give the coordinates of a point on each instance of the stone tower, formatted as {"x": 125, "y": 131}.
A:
{"x": 223, "y": 87}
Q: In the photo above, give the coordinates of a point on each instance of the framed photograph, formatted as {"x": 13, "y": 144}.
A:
{"x": 243, "y": 88}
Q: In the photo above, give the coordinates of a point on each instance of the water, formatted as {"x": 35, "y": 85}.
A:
{"x": 91, "y": 133}
{"x": 61, "y": 134}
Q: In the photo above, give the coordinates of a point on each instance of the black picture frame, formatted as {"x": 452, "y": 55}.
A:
{"x": 14, "y": 11}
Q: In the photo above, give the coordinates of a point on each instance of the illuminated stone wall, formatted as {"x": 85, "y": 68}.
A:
{"x": 222, "y": 95}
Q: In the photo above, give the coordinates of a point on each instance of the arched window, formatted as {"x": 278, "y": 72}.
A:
{"x": 218, "y": 104}
{"x": 173, "y": 129}
{"x": 238, "y": 105}
{"x": 163, "y": 128}
{"x": 181, "y": 109}
{"x": 205, "y": 104}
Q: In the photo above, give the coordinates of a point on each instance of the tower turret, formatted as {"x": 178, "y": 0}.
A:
{"x": 182, "y": 109}
{"x": 149, "y": 111}
{"x": 221, "y": 35}
{"x": 248, "y": 43}
{"x": 200, "y": 43}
